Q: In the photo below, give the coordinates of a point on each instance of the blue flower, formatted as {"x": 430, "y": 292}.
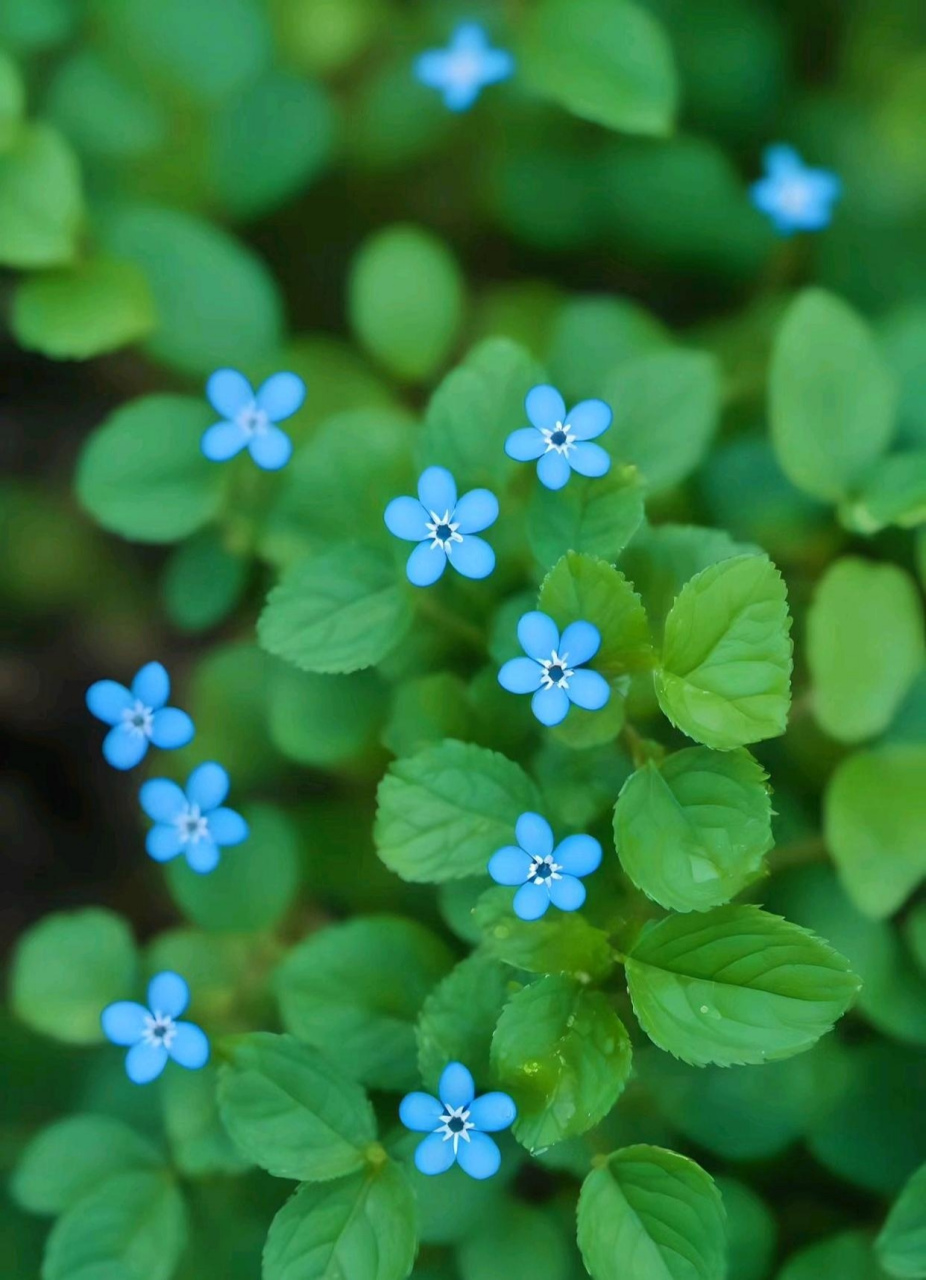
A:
{"x": 551, "y": 672}
{"x": 249, "y": 417}
{"x": 544, "y": 874}
{"x": 138, "y": 716}
{"x": 154, "y": 1034}
{"x": 465, "y": 67}
{"x": 560, "y": 439}
{"x": 795, "y": 197}
{"x": 193, "y": 823}
{"x": 457, "y": 1125}
{"x": 444, "y": 528}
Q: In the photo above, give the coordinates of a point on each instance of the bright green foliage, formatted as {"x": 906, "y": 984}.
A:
{"x": 691, "y": 832}
{"x": 751, "y": 1231}
{"x": 458, "y": 1018}
{"x": 725, "y": 677}
{"x": 591, "y": 336}
{"x": 596, "y": 516}
{"x": 202, "y": 582}
{"x": 520, "y": 1242}
{"x": 848, "y": 1255}
{"x": 657, "y": 1208}
{"x": 564, "y": 1055}
{"x": 41, "y": 202}
{"x": 426, "y": 710}
{"x": 737, "y": 985}
{"x": 200, "y": 1145}
{"x": 12, "y": 101}
{"x": 556, "y": 944}
{"x": 67, "y": 968}
{"x": 324, "y": 720}
{"x": 442, "y": 813}
{"x": 901, "y": 1245}
{"x": 604, "y": 60}
{"x": 865, "y": 646}
{"x": 85, "y": 310}
{"x": 74, "y": 1156}
{"x": 832, "y": 399}
{"x": 894, "y": 492}
{"x": 582, "y": 587}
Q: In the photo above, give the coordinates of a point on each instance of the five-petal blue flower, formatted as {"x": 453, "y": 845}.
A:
{"x": 553, "y": 670}
{"x": 138, "y": 716}
{"x": 795, "y": 197}
{"x": 249, "y": 417}
{"x": 543, "y": 873}
{"x": 560, "y": 439}
{"x": 465, "y": 67}
{"x": 457, "y": 1124}
{"x": 444, "y": 528}
{"x": 153, "y": 1033}
{"x": 194, "y": 823}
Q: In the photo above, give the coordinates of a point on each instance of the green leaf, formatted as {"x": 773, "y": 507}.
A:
{"x": 73, "y": 1156}
{"x": 227, "y": 699}
{"x": 736, "y": 986}
{"x": 292, "y": 1112}
{"x": 104, "y": 111}
{"x": 41, "y": 203}
{"x": 132, "y": 1226}
{"x": 591, "y": 335}
{"x": 655, "y": 1211}
{"x": 362, "y": 1227}
{"x": 333, "y": 996}
{"x": 29, "y": 25}
{"x": 848, "y": 1255}
{"x": 832, "y": 398}
{"x": 216, "y": 967}
{"x": 82, "y": 311}
{"x": 894, "y": 493}
{"x": 875, "y": 815}
{"x": 324, "y": 721}
{"x": 520, "y": 1242}
{"x": 67, "y": 968}
{"x": 199, "y": 1144}
{"x": 564, "y": 1055}
{"x": 425, "y": 710}
{"x": 442, "y": 813}
{"x": 596, "y": 516}
{"x": 901, "y": 1244}
{"x": 581, "y": 587}
{"x": 336, "y": 612}
{"x": 202, "y": 582}
{"x": 691, "y": 832}
{"x": 566, "y": 943}
{"x": 458, "y": 1018}
{"x": 142, "y": 474}
{"x": 12, "y": 101}
{"x": 666, "y": 410}
{"x": 406, "y": 299}
{"x": 604, "y": 60}
{"x": 725, "y": 678}
{"x": 752, "y": 1231}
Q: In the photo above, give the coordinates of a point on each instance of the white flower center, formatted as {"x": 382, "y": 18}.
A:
{"x": 556, "y": 671}
{"x": 159, "y": 1029}
{"x": 443, "y": 531}
{"x": 455, "y": 1124}
{"x": 794, "y": 196}
{"x": 559, "y": 438}
{"x": 138, "y": 719}
{"x": 253, "y": 420}
{"x": 191, "y": 825}
{"x": 544, "y": 870}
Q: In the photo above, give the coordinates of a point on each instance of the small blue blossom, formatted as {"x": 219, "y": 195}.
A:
{"x": 465, "y": 67}
{"x": 543, "y": 873}
{"x": 138, "y": 716}
{"x": 249, "y": 417}
{"x": 551, "y": 671}
{"x": 444, "y": 528}
{"x": 795, "y": 197}
{"x": 457, "y": 1124}
{"x": 154, "y": 1034}
{"x": 194, "y": 823}
{"x": 560, "y": 439}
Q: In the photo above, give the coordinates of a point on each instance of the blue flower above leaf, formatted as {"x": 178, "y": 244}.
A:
{"x": 249, "y": 417}
{"x": 544, "y": 874}
{"x": 138, "y": 716}
{"x": 153, "y": 1034}
{"x": 194, "y": 822}
{"x": 554, "y": 669}
{"x": 561, "y": 440}
{"x": 444, "y": 528}
{"x": 795, "y": 197}
{"x": 462, "y": 70}
{"x": 457, "y": 1124}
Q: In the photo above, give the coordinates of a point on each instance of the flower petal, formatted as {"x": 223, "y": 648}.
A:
{"x": 460, "y": 96}
{"x": 434, "y": 1155}
{"x": 203, "y": 856}
{"x": 531, "y": 901}
{"x": 589, "y": 690}
{"x": 223, "y": 440}
{"x": 207, "y": 786}
{"x": 455, "y": 1087}
{"x": 171, "y": 728}
{"x": 780, "y": 159}
{"x": 525, "y": 444}
{"x": 162, "y": 800}
{"x": 228, "y": 391}
{"x": 545, "y": 407}
{"x": 590, "y": 460}
{"x": 476, "y": 510}
{"x": 497, "y": 64}
{"x": 123, "y": 748}
{"x": 538, "y": 635}
{"x": 493, "y": 1112}
{"x": 226, "y": 826}
{"x": 437, "y": 490}
{"x": 407, "y": 518}
{"x": 420, "y": 1112}
{"x": 519, "y": 675}
{"x": 553, "y": 470}
{"x": 589, "y": 419}
{"x": 469, "y": 36}
{"x": 271, "y": 449}
{"x": 163, "y": 842}
{"x": 168, "y": 993}
{"x": 124, "y": 1022}
{"x": 567, "y": 893}
{"x": 581, "y": 641}
{"x": 534, "y": 835}
{"x": 480, "y": 1157}
{"x": 281, "y": 396}
{"x": 509, "y": 866}
{"x": 550, "y": 706}
{"x": 145, "y": 1062}
{"x": 107, "y": 700}
{"x": 190, "y": 1046}
{"x": 431, "y": 68}
{"x": 473, "y": 557}
{"x": 152, "y": 685}
{"x": 425, "y": 564}
{"x": 578, "y": 855}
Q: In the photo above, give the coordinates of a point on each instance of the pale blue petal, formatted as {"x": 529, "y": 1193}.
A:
{"x": 271, "y": 449}
{"x": 203, "y": 856}
{"x": 420, "y": 1112}
{"x": 497, "y": 65}
{"x": 764, "y": 195}
{"x": 190, "y": 1046}
{"x": 520, "y": 675}
{"x": 425, "y": 564}
{"x": 589, "y": 690}
{"x": 168, "y": 993}
{"x": 455, "y": 1087}
{"x": 281, "y": 396}
{"x": 434, "y": 1155}
{"x": 550, "y": 706}
{"x": 226, "y": 826}
{"x": 151, "y": 685}
{"x": 437, "y": 490}
{"x": 473, "y": 557}
{"x": 163, "y": 842}
{"x": 145, "y": 1062}
{"x": 567, "y": 893}
{"x": 469, "y": 36}
{"x": 589, "y": 419}
{"x": 431, "y": 68}
{"x": 407, "y": 518}
{"x": 781, "y": 159}
{"x": 581, "y": 640}
{"x": 827, "y": 186}
{"x": 107, "y": 700}
{"x": 123, "y": 748}
{"x": 493, "y": 1112}
{"x": 476, "y": 510}
{"x": 553, "y": 470}
{"x": 509, "y": 866}
{"x": 480, "y": 1157}
{"x": 223, "y": 440}
{"x": 545, "y": 407}
{"x": 207, "y": 786}
{"x": 578, "y": 855}
{"x": 124, "y": 1022}
{"x": 228, "y": 391}
{"x": 538, "y": 635}
{"x": 590, "y": 460}
{"x": 525, "y": 444}
{"x": 534, "y": 834}
{"x": 162, "y": 800}
{"x": 171, "y": 728}
{"x": 460, "y": 97}
{"x": 531, "y": 901}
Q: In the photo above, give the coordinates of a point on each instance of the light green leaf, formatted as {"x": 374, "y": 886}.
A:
{"x": 752, "y": 1231}
{"x": 591, "y": 335}
{"x": 356, "y": 990}
{"x": 324, "y": 721}
{"x": 832, "y": 398}
{"x": 564, "y": 1055}
{"x": 520, "y": 1242}
{"x": 596, "y": 516}
{"x": 216, "y": 966}
{"x": 579, "y": 587}
{"x": 654, "y": 1211}
{"x": 736, "y": 985}
{"x": 901, "y": 1244}
{"x": 41, "y": 202}
{"x": 604, "y": 60}
{"x": 292, "y": 1111}
{"x": 336, "y": 612}
{"x": 67, "y": 968}
{"x": 459, "y": 1016}
{"x": 894, "y": 492}
{"x": 442, "y": 813}
{"x": 849, "y": 1255}
{"x": 12, "y": 101}
{"x": 202, "y": 582}
{"x": 361, "y": 1227}
{"x": 103, "y": 110}
{"x": 691, "y": 832}
{"x": 82, "y": 311}
{"x": 725, "y": 678}
{"x": 199, "y": 1144}
{"x": 425, "y": 710}
{"x": 561, "y": 943}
